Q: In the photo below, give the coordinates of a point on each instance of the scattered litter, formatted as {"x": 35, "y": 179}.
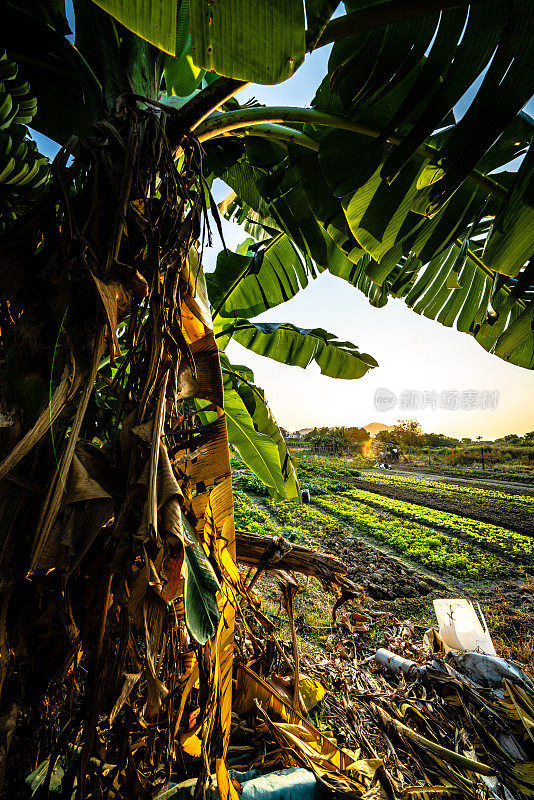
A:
{"x": 398, "y": 665}
{"x": 489, "y": 671}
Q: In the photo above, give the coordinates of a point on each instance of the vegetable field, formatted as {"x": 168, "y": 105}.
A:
{"x": 432, "y": 527}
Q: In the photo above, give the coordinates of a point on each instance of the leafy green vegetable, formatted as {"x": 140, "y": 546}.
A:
{"x": 418, "y": 542}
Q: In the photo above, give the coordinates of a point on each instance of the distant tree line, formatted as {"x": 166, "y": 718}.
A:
{"x": 517, "y": 441}
{"x": 406, "y": 433}
{"x": 337, "y": 440}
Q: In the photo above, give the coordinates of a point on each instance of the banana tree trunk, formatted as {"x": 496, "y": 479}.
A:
{"x": 116, "y": 520}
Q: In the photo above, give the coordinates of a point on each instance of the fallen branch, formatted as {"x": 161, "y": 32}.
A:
{"x": 275, "y": 552}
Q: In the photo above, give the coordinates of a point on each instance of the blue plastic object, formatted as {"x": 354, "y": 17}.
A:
{"x": 286, "y": 784}
{"x": 294, "y": 783}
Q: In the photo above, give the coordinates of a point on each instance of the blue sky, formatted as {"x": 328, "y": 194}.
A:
{"x": 413, "y": 353}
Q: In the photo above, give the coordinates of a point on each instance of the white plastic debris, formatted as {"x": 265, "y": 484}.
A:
{"x": 460, "y": 628}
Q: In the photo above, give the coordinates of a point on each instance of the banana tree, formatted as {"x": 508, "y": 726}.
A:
{"x": 119, "y": 585}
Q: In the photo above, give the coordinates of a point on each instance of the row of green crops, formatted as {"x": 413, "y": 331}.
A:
{"x": 419, "y": 542}
{"x": 326, "y": 467}
{"x": 319, "y": 486}
{"x": 304, "y": 516}
{"x": 510, "y": 475}
{"x": 249, "y": 517}
{"x": 473, "y": 494}
{"x": 294, "y": 521}
{"x": 491, "y": 537}
{"x": 249, "y": 483}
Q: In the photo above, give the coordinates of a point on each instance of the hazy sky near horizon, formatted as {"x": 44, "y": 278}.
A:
{"x": 415, "y": 354}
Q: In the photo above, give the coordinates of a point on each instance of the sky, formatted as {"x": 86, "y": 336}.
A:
{"x": 435, "y": 374}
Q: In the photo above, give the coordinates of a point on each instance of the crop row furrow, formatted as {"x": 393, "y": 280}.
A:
{"x": 417, "y": 541}
{"x": 473, "y": 494}
{"x": 484, "y": 535}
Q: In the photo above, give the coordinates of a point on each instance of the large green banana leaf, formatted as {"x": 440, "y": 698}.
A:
{"x": 318, "y": 13}
{"x": 253, "y": 431}
{"x": 241, "y": 380}
{"x": 298, "y": 347}
{"x": 512, "y": 241}
{"x": 253, "y": 40}
{"x": 411, "y": 199}
{"x": 257, "y": 450}
{"x": 338, "y": 209}
{"x": 390, "y": 209}
{"x": 182, "y": 76}
{"x": 263, "y": 276}
{"x": 422, "y": 68}
{"x": 155, "y": 22}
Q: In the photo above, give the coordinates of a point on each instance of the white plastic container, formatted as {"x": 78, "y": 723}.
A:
{"x": 460, "y": 628}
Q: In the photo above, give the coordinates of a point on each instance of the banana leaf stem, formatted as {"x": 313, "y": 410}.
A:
{"x": 281, "y": 133}
{"x": 232, "y": 121}
{"x": 245, "y": 117}
{"x": 221, "y": 90}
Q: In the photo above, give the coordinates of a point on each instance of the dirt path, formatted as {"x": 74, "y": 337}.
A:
{"x": 507, "y": 518}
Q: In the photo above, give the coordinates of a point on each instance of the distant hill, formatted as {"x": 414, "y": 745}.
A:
{"x": 374, "y": 427}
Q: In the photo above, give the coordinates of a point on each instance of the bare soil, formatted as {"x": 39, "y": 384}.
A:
{"x": 381, "y": 576}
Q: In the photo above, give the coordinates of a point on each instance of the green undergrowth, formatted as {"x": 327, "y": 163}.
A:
{"x": 492, "y": 474}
